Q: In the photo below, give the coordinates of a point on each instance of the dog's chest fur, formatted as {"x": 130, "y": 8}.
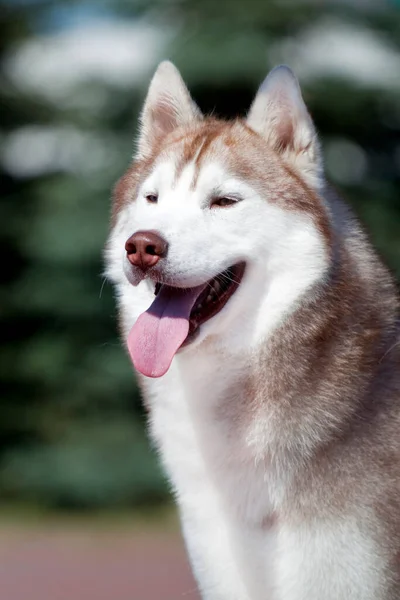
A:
{"x": 191, "y": 410}
{"x": 244, "y": 539}
{"x": 222, "y": 493}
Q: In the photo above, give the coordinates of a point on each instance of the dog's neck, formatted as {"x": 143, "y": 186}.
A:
{"x": 297, "y": 390}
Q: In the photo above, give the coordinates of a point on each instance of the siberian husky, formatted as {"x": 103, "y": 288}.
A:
{"x": 264, "y": 329}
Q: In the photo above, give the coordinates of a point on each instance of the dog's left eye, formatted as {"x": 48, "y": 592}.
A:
{"x": 152, "y": 198}
{"x": 223, "y": 202}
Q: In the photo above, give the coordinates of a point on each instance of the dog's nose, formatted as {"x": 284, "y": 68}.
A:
{"x": 145, "y": 248}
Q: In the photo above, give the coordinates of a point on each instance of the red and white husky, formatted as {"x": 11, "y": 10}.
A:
{"x": 265, "y": 332}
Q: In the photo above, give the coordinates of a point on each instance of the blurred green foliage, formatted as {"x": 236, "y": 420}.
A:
{"x": 72, "y": 430}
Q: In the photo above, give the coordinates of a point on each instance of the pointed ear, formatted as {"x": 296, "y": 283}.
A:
{"x": 168, "y": 105}
{"x": 279, "y": 114}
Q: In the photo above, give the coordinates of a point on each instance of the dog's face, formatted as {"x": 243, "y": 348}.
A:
{"x": 221, "y": 220}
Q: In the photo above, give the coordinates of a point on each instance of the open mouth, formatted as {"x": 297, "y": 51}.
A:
{"x": 214, "y": 297}
{"x": 174, "y": 318}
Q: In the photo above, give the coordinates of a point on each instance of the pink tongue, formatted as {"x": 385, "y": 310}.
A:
{"x": 161, "y": 330}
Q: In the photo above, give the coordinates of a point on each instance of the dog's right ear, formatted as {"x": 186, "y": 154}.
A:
{"x": 168, "y": 105}
{"x": 279, "y": 114}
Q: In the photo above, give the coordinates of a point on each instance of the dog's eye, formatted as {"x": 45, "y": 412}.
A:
{"x": 222, "y": 202}
{"x": 152, "y": 198}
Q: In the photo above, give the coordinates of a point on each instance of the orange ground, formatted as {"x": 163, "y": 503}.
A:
{"x": 84, "y": 564}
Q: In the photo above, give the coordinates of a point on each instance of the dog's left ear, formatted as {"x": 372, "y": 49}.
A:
{"x": 279, "y": 114}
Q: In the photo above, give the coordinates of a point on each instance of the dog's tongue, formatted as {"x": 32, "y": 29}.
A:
{"x": 161, "y": 330}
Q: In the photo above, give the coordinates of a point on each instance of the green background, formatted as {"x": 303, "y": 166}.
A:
{"x": 72, "y": 429}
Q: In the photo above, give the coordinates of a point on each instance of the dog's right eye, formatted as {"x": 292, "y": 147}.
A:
{"x": 223, "y": 202}
{"x": 152, "y": 198}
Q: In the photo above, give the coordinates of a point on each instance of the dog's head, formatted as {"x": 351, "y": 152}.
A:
{"x": 223, "y": 221}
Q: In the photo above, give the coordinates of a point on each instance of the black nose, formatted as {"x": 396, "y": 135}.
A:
{"x": 145, "y": 248}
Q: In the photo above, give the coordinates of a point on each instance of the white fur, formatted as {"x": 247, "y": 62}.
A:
{"x": 322, "y": 563}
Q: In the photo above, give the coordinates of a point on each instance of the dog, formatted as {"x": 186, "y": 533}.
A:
{"x": 265, "y": 332}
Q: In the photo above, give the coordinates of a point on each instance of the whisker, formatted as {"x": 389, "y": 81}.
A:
{"x": 222, "y": 278}
{"x": 102, "y": 286}
{"x": 225, "y": 276}
{"x": 389, "y": 350}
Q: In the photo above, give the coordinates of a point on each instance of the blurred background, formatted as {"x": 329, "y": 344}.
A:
{"x": 85, "y": 512}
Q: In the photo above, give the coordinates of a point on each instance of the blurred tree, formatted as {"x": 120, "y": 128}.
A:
{"x": 71, "y": 423}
